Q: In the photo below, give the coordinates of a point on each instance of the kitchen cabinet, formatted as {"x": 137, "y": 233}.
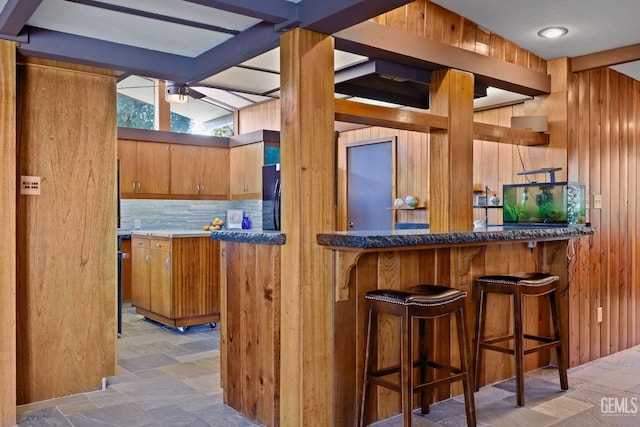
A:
{"x": 175, "y": 280}
{"x": 246, "y": 171}
{"x": 245, "y": 164}
{"x": 200, "y": 171}
{"x": 144, "y": 168}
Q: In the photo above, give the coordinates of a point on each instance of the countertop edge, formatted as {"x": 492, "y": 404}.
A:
{"x": 256, "y": 237}
{"x": 408, "y": 238}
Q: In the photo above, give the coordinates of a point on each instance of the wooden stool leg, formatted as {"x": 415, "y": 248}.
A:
{"x": 425, "y": 371}
{"x": 406, "y": 367}
{"x": 482, "y": 312}
{"x": 561, "y": 350}
{"x": 518, "y": 337}
{"x": 467, "y": 382}
{"x": 368, "y": 362}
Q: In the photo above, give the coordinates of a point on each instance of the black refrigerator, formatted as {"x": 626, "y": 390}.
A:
{"x": 271, "y": 197}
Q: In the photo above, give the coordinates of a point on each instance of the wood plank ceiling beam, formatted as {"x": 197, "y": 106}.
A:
{"x": 379, "y": 41}
{"x": 398, "y": 118}
{"x": 606, "y": 58}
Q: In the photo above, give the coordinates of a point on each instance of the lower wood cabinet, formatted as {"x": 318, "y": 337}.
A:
{"x": 176, "y": 281}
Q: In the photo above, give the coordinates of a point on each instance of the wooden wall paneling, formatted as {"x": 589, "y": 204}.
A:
{"x": 416, "y": 18}
{"x": 604, "y": 178}
{"x": 581, "y": 348}
{"x": 249, "y": 300}
{"x": 8, "y": 232}
{"x": 592, "y": 179}
{"x": 623, "y": 203}
{"x": 614, "y": 208}
{"x": 67, "y": 235}
{"x": 634, "y": 206}
{"x": 265, "y": 115}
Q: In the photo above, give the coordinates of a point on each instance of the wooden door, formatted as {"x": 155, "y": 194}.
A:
{"x": 246, "y": 171}
{"x": 187, "y": 165}
{"x": 152, "y": 167}
{"x": 214, "y": 180}
{"x": 127, "y": 156}
{"x": 160, "y": 277}
{"x": 140, "y": 273}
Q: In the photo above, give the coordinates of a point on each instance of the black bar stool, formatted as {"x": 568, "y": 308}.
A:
{"x": 519, "y": 285}
{"x": 418, "y": 302}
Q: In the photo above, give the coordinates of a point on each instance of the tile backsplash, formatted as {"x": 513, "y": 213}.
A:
{"x": 184, "y": 214}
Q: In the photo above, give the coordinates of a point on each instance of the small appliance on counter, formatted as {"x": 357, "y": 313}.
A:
{"x": 271, "y": 197}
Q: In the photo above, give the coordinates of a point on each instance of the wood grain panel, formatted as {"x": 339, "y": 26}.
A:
{"x": 456, "y": 267}
{"x": 308, "y": 159}
{"x": 67, "y": 235}
{"x": 445, "y": 26}
{"x": 250, "y": 331}
{"x": 8, "y": 231}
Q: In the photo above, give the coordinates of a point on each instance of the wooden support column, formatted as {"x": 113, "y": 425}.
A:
{"x": 451, "y": 164}
{"x": 8, "y": 233}
{"x": 308, "y": 167}
{"x": 162, "y": 116}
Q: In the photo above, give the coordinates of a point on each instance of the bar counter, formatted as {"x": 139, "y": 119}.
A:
{"x": 364, "y": 261}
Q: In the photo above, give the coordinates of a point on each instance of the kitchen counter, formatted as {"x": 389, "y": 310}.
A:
{"x": 413, "y": 238}
{"x": 171, "y": 233}
{"x": 397, "y": 259}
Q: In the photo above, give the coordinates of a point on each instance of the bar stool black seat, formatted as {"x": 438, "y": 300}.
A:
{"x": 519, "y": 285}
{"x": 418, "y": 302}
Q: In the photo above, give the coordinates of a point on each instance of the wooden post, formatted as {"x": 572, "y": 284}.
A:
{"x": 451, "y": 165}
{"x": 162, "y": 116}
{"x": 8, "y": 233}
{"x": 308, "y": 185}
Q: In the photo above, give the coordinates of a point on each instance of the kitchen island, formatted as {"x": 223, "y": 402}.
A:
{"x": 251, "y": 304}
{"x": 175, "y": 276}
{"x": 364, "y": 261}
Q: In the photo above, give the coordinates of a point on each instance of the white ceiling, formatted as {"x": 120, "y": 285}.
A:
{"x": 227, "y": 50}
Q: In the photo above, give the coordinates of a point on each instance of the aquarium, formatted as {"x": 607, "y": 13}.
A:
{"x": 544, "y": 204}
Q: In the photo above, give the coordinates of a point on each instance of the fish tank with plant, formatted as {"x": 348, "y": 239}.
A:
{"x": 558, "y": 204}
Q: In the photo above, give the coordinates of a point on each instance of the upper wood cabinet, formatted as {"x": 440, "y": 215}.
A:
{"x": 246, "y": 171}
{"x": 144, "y": 168}
{"x": 200, "y": 171}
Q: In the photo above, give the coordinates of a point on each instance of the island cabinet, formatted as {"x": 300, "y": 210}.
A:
{"x": 200, "y": 171}
{"x": 250, "y": 324}
{"x": 175, "y": 280}
{"x": 144, "y": 168}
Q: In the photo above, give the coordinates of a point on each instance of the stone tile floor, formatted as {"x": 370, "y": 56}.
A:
{"x": 170, "y": 379}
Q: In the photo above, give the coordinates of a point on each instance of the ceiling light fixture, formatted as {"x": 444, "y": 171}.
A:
{"x": 552, "y": 32}
{"x": 176, "y": 93}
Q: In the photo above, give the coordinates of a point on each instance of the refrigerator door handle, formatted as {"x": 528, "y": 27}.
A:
{"x": 276, "y": 204}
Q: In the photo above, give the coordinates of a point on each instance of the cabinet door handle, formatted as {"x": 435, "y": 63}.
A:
{"x": 158, "y": 245}
{"x": 147, "y": 259}
{"x": 201, "y": 188}
{"x": 197, "y": 188}
{"x": 167, "y": 263}
{"x": 133, "y": 186}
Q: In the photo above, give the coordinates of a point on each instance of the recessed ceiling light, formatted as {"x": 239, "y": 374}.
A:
{"x": 552, "y": 32}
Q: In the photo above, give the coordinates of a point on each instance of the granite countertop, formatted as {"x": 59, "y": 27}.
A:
{"x": 264, "y": 237}
{"x": 398, "y": 238}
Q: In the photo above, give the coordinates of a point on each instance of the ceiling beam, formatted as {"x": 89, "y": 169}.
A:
{"x": 274, "y": 11}
{"x": 606, "y": 58}
{"x": 250, "y": 43}
{"x": 15, "y": 14}
{"x": 379, "y": 41}
{"x": 156, "y": 16}
{"x": 98, "y": 53}
{"x": 330, "y": 16}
